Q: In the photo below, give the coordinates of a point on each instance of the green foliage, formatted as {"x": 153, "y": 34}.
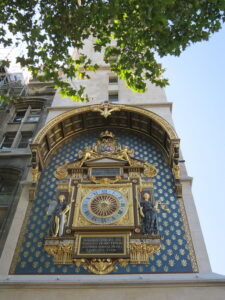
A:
{"x": 139, "y": 29}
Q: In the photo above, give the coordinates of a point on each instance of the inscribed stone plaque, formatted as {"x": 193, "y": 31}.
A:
{"x": 102, "y": 245}
{"x": 105, "y": 172}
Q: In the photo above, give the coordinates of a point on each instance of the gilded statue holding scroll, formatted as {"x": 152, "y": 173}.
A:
{"x": 59, "y": 217}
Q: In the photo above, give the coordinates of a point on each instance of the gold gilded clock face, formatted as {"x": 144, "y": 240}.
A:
{"x": 104, "y": 206}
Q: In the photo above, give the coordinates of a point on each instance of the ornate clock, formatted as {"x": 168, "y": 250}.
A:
{"x": 104, "y": 206}
{"x": 100, "y": 206}
{"x": 104, "y": 200}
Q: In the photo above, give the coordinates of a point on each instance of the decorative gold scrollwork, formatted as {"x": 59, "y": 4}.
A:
{"x": 62, "y": 253}
{"x": 99, "y": 266}
{"x": 149, "y": 170}
{"x": 105, "y": 180}
{"x": 141, "y": 251}
{"x": 123, "y": 262}
{"x": 61, "y": 172}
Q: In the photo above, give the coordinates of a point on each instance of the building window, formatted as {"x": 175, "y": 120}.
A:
{"x": 7, "y": 185}
{"x": 19, "y": 116}
{"x": 34, "y": 115}
{"x": 113, "y": 97}
{"x": 25, "y": 139}
{"x": 9, "y": 179}
{"x": 16, "y": 77}
{"x": 8, "y": 140}
{"x": 113, "y": 79}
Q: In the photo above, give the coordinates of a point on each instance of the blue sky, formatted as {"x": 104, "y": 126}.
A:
{"x": 197, "y": 83}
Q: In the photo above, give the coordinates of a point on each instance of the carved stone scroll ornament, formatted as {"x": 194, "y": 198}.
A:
{"x": 105, "y": 109}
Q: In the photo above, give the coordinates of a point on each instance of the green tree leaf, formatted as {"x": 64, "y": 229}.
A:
{"x": 140, "y": 30}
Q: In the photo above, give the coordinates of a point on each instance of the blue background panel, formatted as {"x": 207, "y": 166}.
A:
{"x": 173, "y": 256}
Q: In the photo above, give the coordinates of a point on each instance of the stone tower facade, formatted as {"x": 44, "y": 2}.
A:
{"x": 118, "y": 147}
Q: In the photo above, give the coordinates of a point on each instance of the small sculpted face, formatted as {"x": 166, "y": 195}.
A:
{"x": 146, "y": 197}
{"x": 62, "y": 198}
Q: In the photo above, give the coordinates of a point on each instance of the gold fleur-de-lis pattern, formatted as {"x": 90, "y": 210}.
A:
{"x": 174, "y": 255}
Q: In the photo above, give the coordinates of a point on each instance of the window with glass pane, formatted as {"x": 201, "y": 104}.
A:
{"x": 8, "y": 140}
{"x": 8, "y": 184}
{"x": 24, "y": 141}
{"x": 19, "y": 116}
{"x": 113, "y": 79}
{"x": 113, "y": 97}
{"x": 34, "y": 115}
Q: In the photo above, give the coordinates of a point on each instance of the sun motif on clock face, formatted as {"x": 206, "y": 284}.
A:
{"x": 104, "y": 206}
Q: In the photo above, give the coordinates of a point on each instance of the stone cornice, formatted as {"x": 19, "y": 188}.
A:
{"x": 147, "y": 105}
{"x": 112, "y": 281}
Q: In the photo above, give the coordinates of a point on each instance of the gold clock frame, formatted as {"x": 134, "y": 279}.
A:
{"x": 79, "y": 221}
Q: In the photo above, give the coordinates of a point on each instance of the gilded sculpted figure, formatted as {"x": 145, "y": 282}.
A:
{"x": 148, "y": 213}
{"x": 176, "y": 171}
{"x": 107, "y": 145}
{"x": 125, "y": 154}
{"x": 59, "y": 217}
{"x": 87, "y": 154}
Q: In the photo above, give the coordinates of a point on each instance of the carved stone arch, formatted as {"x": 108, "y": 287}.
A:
{"x": 103, "y": 116}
